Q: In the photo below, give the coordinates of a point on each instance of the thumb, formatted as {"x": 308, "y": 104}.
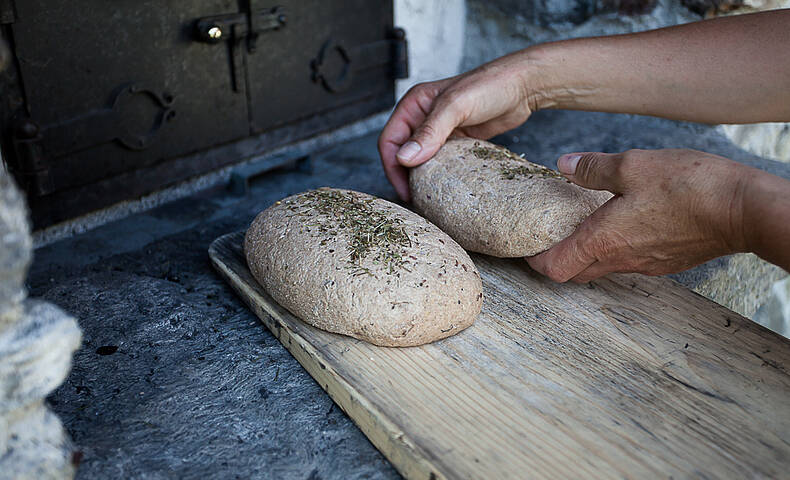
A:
{"x": 429, "y": 137}
{"x": 598, "y": 171}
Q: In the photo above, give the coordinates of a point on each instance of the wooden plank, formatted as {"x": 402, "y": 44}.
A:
{"x": 629, "y": 376}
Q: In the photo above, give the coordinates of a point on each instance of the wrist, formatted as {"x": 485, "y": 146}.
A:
{"x": 563, "y": 75}
{"x": 734, "y": 226}
{"x": 766, "y": 217}
{"x": 536, "y": 69}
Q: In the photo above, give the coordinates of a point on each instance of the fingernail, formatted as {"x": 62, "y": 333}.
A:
{"x": 567, "y": 163}
{"x": 408, "y": 151}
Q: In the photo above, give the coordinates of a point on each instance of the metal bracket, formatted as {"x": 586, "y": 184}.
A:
{"x": 29, "y": 164}
{"x": 262, "y": 21}
{"x": 103, "y": 126}
{"x": 342, "y": 80}
{"x": 143, "y": 140}
{"x": 392, "y": 52}
{"x": 36, "y": 145}
{"x": 400, "y": 54}
{"x": 235, "y": 27}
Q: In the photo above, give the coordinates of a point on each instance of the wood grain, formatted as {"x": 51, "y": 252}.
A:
{"x": 629, "y": 376}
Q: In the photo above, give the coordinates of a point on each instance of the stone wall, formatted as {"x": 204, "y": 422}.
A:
{"x": 37, "y": 340}
{"x": 495, "y": 28}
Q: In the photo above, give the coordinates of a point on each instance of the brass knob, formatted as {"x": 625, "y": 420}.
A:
{"x": 215, "y": 33}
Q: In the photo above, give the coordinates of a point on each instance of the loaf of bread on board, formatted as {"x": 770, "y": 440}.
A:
{"x": 353, "y": 264}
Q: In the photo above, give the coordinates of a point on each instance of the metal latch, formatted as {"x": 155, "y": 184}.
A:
{"x": 235, "y": 27}
{"x": 224, "y": 27}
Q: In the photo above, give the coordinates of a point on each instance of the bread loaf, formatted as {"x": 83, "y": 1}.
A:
{"x": 492, "y": 201}
{"x": 357, "y": 265}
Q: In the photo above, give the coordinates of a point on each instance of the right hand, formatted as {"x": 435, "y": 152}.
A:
{"x": 672, "y": 210}
{"x": 482, "y": 103}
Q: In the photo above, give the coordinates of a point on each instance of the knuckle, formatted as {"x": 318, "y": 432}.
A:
{"x": 599, "y": 247}
{"x": 425, "y": 132}
{"x": 429, "y": 90}
{"x": 556, "y": 273}
{"x": 453, "y": 97}
{"x": 454, "y": 102}
{"x": 629, "y": 158}
{"x": 587, "y": 165}
{"x": 419, "y": 89}
{"x": 621, "y": 168}
{"x": 630, "y": 165}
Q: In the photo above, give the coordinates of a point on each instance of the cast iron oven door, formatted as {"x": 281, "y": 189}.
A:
{"x": 118, "y": 99}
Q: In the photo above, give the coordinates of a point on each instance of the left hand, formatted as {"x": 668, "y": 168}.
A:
{"x": 672, "y": 210}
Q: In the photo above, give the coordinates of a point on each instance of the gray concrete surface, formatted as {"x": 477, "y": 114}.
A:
{"x": 176, "y": 378}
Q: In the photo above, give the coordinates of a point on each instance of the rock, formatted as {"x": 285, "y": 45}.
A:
{"x": 495, "y": 28}
{"x": 775, "y": 313}
{"x": 37, "y": 447}
{"x": 711, "y": 8}
{"x": 769, "y": 140}
{"x": 741, "y": 282}
{"x": 15, "y": 249}
{"x": 35, "y": 355}
{"x": 37, "y": 340}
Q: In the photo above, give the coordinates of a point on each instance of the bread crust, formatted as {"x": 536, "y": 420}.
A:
{"x": 417, "y": 287}
{"x": 492, "y": 201}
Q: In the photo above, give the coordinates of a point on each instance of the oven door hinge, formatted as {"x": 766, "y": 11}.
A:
{"x": 29, "y": 163}
{"x": 400, "y": 54}
{"x": 7, "y": 12}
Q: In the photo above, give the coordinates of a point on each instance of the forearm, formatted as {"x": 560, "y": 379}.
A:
{"x": 766, "y": 217}
{"x": 727, "y": 70}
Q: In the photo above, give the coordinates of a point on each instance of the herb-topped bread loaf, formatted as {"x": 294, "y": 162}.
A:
{"x": 492, "y": 201}
{"x": 357, "y": 265}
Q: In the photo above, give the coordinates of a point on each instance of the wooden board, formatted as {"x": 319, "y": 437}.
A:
{"x": 630, "y": 376}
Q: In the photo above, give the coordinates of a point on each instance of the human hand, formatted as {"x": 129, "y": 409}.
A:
{"x": 672, "y": 210}
{"x": 481, "y": 103}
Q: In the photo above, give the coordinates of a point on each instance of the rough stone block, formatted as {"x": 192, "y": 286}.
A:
{"x": 35, "y": 445}
{"x": 740, "y": 282}
{"x": 775, "y": 313}
{"x": 15, "y": 249}
{"x": 35, "y": 354}
{"x": 768, "y": 140}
